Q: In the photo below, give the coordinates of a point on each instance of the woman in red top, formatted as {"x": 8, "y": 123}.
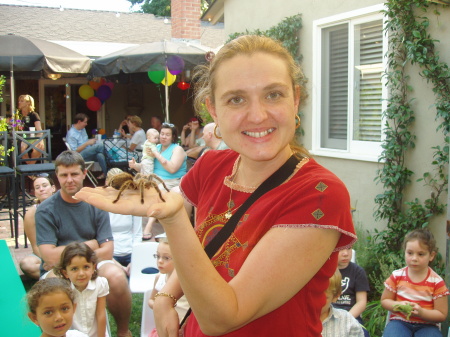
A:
{"x": 269, "y": 278}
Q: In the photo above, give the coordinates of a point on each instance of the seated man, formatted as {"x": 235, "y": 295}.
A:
{"x": 79, "y": 141}
{"x": 62, "y": 220}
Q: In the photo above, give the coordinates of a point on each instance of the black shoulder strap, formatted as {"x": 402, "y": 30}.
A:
{"x": 276, "y": 179}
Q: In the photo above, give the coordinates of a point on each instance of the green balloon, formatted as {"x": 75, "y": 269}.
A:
{"x": 156, "y": 73}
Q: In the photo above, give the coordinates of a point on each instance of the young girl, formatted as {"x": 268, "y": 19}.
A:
{"x": 416, "y": 285}
{"x": 166, "y": 267}
{"x": 78, "y": 264}
{"x": 51, "y": 307}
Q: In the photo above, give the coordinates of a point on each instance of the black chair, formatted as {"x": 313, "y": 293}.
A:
{"x": 43, "y": 163}
{"x": 117, "y": 155}
{"x": 9, "y": 197}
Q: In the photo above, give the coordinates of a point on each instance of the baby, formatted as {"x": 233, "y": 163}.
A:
{"x": 147, "y": 160}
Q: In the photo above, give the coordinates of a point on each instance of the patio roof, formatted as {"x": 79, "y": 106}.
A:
{"x": 95, "y": 32}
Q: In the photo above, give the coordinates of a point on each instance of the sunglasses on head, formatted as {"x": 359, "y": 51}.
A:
{"x": 42, "y": 175}
{"x": 167, "y": 125}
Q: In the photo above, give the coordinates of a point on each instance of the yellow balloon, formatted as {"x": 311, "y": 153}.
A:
{"x": 170, "y": 78}
{"x": 86, "y": 91}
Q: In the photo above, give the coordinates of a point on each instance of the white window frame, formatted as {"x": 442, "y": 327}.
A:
{"x": 358, "y": 150}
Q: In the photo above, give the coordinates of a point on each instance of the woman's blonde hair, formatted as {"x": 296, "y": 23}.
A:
{"x": 135, "y": 120}
{"x": 112, "y": 172}
{"x": 29, "y": 99}
{"x": 205, "y": 75}
{"x": 335, "y": 286}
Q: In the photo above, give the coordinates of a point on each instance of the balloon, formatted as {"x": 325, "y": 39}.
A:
{"x": 103, "y": 92}
{"x": 175, "y": 64}
{"x": 183, "y": 85}
{"x": 101, "y": 131}
{"x": 94, "y": 85}
{"x": 93, "y": 103}
{"x": 86, "y": 91}
{"x": 170, "y": 79}
{"x": 109, "y": 84}
{"x": 156, "y": 73}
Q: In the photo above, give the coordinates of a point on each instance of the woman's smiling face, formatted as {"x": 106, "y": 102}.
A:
{"x": 255, "y": 105}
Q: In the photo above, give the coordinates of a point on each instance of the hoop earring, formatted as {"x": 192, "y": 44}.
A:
{"x": 215, "y": 132}
{"x": 298, "y": 121}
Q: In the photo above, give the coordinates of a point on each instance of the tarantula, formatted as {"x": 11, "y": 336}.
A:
{"x": 123, "y": 181}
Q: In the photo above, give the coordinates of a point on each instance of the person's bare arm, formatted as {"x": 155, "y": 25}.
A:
{"x": 175, "y": 162}
{"x": 360, "y": 305}
{"x": 151, "y": 299}
{"x": 105, "y": 251}
{"x": 29, "y": 225}
{"x": 100, "y": 314}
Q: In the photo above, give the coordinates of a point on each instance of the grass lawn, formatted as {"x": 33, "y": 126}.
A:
{"x": 135, "y": 320}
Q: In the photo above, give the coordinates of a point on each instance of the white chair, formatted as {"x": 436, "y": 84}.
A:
{"x": 353, "y": 256}
{"x": 88, "y": 164}
{"x": 148, "y": 320}
{"x": 141, "y": 258}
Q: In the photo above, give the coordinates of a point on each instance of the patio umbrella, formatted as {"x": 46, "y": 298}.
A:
{"x": 35, "y": 56}
{"x": 140, "y": 58}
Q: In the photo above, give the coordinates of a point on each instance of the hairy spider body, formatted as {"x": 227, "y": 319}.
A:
{"x": 125, "y": 181}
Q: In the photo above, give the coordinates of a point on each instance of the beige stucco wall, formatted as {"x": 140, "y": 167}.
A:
{"x": 357, "y": 175}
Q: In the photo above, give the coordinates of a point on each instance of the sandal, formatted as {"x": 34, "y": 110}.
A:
{"x": 147, "y": 236}
{"x": 101, "y": 177}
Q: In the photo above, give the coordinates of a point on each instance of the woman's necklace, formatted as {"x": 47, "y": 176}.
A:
{"x": 230, "y": 203}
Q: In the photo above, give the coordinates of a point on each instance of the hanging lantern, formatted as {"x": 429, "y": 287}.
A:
{"x": 183, "y": 85}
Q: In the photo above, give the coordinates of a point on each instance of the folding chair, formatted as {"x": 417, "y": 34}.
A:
{"x": 43, "y": 163}
{"x": 148, "y": 320}
{"x": 117, "y": 155}
{"x": 142, "y": 260}
{"x": 88, "y": 164}
{"x": 8, "y": 173}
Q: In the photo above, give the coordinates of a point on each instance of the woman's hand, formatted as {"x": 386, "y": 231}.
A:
{"x": 166, "y": 318}
{"x": 129, "y": 202}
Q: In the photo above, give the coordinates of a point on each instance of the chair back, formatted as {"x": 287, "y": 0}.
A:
{"x": 31, "y": 139}
{"x": 148, "y": 320}
{"x": 142, "y": 258}
{"x": 67, "y": 143}
{"x": 116, "y": 154}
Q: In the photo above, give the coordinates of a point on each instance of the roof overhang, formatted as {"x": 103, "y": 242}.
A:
{"x": 215, "y": 12}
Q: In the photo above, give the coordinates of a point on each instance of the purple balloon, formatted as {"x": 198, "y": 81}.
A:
{"x": 175, "y": 64}
{"x": 103, "y": 92}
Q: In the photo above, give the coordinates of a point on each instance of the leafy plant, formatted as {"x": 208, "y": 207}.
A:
{"x": 410, "y": 43}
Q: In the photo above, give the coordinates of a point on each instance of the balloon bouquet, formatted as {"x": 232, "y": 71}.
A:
{"x": 96, "y": 93}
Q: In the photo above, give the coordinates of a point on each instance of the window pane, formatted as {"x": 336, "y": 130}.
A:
{"x": 334, "y": 104}
{"x": 368, "y": 70}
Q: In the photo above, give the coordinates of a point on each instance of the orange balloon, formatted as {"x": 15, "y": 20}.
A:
{"x": 94, "y": 85}
{"x": 101, "y": 131}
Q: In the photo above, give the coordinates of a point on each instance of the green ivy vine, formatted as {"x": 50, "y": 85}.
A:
{"x": 410, "y": 43}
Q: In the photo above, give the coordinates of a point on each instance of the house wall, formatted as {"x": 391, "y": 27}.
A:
{"x": 357, "y": 175}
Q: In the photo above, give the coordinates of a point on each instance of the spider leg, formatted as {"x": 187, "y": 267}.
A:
{"x": 155, "y": 177}
{"x": 124, "y": 186}
{"x": 141, "y": 188}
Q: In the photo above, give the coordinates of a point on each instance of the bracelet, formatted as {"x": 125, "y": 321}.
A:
{"x": 167, "y": 295}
